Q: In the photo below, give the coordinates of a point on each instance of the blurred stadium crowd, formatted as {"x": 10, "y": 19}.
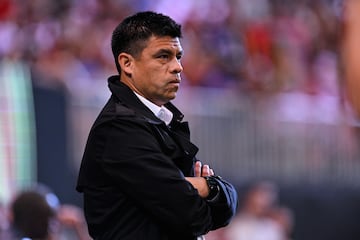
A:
{"x": 258, "y": 45}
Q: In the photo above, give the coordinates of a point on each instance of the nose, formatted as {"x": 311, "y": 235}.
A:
{"x": 176, "y": 66}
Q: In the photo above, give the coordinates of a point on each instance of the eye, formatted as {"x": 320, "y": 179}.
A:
{"x": 163, "y": 56}
{"x": 178, "y": 57}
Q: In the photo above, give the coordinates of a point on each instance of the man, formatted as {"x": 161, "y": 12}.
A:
{"x": 139, "y": 174}
{"x": 351, "y": 53}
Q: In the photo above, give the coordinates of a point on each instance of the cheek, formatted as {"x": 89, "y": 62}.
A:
{"x": 152, "y": 77}
{"x": 155, "y": 78}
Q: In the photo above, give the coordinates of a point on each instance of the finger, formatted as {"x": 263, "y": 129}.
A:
{"x": 198, "y": 169}
{"x": 212, "y": 172}
{"x": 205, "y": 170}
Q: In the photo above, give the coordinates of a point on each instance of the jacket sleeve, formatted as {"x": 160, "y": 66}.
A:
{"x": 223, "y": 209}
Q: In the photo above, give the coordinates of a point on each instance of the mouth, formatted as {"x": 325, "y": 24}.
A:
{"x": 177, "y": 81}
{"x": 174, "y": 84}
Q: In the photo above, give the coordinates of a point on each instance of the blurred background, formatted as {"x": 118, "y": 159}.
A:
{"x": 270, "y": 88}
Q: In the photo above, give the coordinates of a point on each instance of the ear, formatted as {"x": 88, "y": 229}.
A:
{"x": 126, "y": 63}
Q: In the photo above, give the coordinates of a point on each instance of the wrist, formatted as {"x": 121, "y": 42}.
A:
{"x": 214, "y": 188}
{"x": 200, "y": 184}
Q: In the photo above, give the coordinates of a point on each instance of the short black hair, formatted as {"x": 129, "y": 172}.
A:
{"x": 131, "y": 34}
{"x": 32, "y": 215}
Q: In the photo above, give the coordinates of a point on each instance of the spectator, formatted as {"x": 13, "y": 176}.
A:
{"x": 351, "y": 53}
{"x": 253, "y": 221}
{"x": 285, "y": 218}
{"x": 37, "y": 214}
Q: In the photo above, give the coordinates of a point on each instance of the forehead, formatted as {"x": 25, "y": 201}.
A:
{"x": 156, "y": 43}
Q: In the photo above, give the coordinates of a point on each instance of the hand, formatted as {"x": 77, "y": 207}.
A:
{"x": 203, "y": 170}
{"x": 70, "y": 215}
{"x": 198, "y": 181}
{"x": 73, "y": 217}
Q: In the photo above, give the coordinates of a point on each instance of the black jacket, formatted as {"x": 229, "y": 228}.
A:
{"x": 132, "y": 176}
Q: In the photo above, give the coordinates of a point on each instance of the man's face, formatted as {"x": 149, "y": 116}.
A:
{"x": 156, "y": 72}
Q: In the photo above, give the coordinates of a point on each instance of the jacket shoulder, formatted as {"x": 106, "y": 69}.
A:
{"x": 113, "y": 110}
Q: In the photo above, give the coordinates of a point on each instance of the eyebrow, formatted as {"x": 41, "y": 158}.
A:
{"x": 167, "y": 51}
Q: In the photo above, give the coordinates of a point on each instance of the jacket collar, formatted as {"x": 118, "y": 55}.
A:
{"x": 127, "y": 97}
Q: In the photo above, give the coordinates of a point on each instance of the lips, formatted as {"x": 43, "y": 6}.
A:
{"x": 175, "y": 81}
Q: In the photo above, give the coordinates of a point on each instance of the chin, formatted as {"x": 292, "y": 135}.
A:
{"x": 173, "y": 96}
